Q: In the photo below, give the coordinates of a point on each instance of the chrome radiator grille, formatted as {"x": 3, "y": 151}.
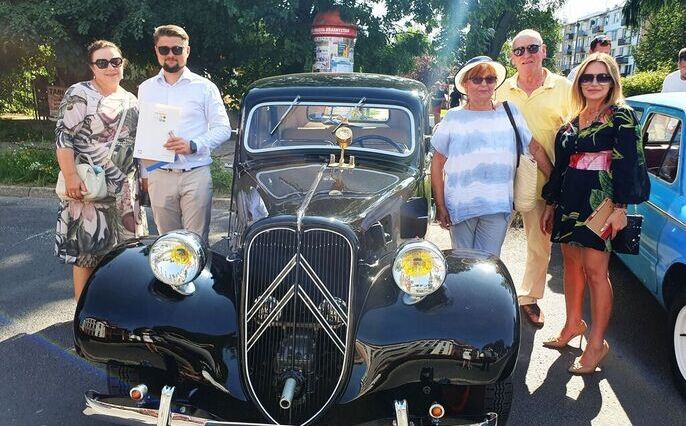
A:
{"x": 296, "y": 317}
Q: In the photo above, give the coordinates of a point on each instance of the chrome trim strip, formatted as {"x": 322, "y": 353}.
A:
{"x": 268, "y": 292}
{"x": 309, "y": 304}
{"x": 267, "y": 322}
{"x": 308, "y": 197}
{"x": 666, "y": 214}
{"x": 336, "y": 148}
{"x": 98, "y": 407}
{"x": 325, "y": 291}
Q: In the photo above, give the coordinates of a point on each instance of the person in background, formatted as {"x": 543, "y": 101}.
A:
{"x": 676, "y": 81}
{"x": 473, "y": 167}
{"x": 438, "y": 100}
{"x": 181, "y": 192}
{"x": 89, "y": 116}
{"x": 596, "y": 154}
{"x": 455, "y": 98}
{"x": 600, "y": 44}
{"x": 543, "y": 99}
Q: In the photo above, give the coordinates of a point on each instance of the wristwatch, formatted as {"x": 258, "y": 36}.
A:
{"x": 194, "y": 147}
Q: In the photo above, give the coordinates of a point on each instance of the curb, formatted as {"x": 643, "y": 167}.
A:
{"x": 221, "y": 203}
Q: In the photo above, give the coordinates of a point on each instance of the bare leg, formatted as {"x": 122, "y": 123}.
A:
{"x": 80, "y": 277}
{"x": 596, "y": 266}
{"x": 574, "y": 284}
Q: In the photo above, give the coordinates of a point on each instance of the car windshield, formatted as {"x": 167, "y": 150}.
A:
{"x": 379, "y": 128}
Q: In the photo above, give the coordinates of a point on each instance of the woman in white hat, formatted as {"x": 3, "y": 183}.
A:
{"x": 473, "y": 167}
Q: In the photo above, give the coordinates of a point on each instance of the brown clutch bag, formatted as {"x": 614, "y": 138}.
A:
{"x": 599, "y": 216}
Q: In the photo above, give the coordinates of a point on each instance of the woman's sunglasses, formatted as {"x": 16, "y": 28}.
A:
{"x": 603, "y": 79}
{"x": 489, "y": 79}
{"x": 532, "y": 48}
{"x": 103, "y": 63}
{"x": 164, "y": 50}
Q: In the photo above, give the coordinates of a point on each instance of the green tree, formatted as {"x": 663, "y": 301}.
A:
{"x": 635, "y": 10}
{"x": 665, "y": 34}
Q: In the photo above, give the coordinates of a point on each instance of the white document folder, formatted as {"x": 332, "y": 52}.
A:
{"x": 155, "y": 122}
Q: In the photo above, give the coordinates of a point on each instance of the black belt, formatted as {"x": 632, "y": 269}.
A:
{"x": 180, "y": 170}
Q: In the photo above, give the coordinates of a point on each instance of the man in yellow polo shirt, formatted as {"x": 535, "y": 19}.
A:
{"x": 544, "y": 100}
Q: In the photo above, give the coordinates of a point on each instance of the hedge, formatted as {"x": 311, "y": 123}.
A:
{"x": 644, "y": 82}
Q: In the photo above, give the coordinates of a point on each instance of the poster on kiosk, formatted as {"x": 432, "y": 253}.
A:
{"x": 334, "y": 42}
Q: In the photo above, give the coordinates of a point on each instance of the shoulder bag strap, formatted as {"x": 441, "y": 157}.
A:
{"x": 121, "y": 124}
{"x": 520, "y": 148}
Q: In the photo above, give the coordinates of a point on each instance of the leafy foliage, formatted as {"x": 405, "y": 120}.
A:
{"x": 29, "y": 164}
{"x": 643, "y": 82}
{"x": 635, "y": 10}
{"x": 665, "y": 35}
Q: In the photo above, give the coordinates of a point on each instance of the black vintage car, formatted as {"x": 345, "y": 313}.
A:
{"x": 328, "y": 307}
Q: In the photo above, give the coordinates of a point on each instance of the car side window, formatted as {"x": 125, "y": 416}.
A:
{"x": 662, "y": 141}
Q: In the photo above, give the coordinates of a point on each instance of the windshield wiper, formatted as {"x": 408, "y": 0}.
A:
{"x": 345, "y": 119}
{"x": 285, "y": 114}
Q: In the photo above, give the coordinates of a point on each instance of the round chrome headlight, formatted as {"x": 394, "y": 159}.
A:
{"x": 177, "y": 258}
{"x": 419, "y": 268}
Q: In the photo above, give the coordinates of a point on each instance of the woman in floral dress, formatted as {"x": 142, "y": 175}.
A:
{"x": 88, "y": 120}
{"x": 596, "y": 155}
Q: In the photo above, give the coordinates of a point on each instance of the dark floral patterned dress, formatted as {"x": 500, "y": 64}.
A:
{"x": 87, "y": 124}
{"x": 592, "y": 164}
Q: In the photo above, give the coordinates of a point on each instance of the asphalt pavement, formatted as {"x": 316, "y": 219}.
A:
{"x": 42, "y": 380}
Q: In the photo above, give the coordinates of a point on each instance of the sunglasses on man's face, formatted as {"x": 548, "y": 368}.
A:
{"x": 104, "y": 63}
{"x": 603, "y": 79}
{"x": 532, "y": 48}
{"x": 164, "y": 50}
{"x": 489, "y": 79}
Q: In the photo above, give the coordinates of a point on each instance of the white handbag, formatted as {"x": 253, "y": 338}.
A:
{"x": 526, "y": 175}
{"x": 93, "y": 176}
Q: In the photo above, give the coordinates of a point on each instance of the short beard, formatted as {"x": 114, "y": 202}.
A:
{"x": 171, "y": 69}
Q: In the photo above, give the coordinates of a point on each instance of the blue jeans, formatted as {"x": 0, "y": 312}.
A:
{"x": 485, "y": 233}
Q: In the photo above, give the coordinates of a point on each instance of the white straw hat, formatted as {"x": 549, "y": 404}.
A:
{"x": 500, "y": 71}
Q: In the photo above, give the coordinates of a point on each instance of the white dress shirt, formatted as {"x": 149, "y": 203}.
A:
{"x": 203, "y": 116}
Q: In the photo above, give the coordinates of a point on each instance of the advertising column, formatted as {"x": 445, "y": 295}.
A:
{"x": 334, "y": 43}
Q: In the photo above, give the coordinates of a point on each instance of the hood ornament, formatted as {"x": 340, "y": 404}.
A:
{"x": 344, "y": 136}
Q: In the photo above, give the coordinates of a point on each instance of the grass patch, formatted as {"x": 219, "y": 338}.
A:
{"x": 35, "y": 165}
{"x": 26, "y": 130}
{"x": 222, "y": 177}
{"x": 29, "y": 165}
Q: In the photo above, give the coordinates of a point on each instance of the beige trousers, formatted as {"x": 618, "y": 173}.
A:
{"x": 538, "y": 247}
{"x": 181, "y": 200}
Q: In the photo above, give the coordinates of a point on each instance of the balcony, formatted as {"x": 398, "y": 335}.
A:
{"x": 598, "y": 29}
{"x": 569, "y": 36}
{"x": 622, "y": 59}
{"x": 569, "y": 51}
{"x": 622, "y": 41}
{"x": 580, "y": 49}
{"x": 581, "y": 33}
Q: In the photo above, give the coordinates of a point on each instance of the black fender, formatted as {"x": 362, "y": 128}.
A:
{"x": 126, "y": 316}
{"x": 465, "y": 333}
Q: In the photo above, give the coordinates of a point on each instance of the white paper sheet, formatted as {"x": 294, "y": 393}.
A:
{"x": 155, "y": 122}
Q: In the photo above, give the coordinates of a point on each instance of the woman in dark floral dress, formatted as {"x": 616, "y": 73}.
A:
{"x": 596, "y": 155}
{"x": 88, "y": 119}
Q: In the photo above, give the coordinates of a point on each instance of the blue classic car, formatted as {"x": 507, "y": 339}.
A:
{"x": 661, "y": 263}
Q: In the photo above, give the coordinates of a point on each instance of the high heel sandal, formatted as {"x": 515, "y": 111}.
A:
{"x": 578, "y": 368}
{"x": 559, "y": 343}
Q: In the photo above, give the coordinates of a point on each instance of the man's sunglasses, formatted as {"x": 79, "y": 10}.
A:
{"x": 104, "y": 63}
{"x": 490, "y": 79}
{"x": 532, "y": 48}
{"x": 603, "y": 79}
{"x": 164, "y": 50}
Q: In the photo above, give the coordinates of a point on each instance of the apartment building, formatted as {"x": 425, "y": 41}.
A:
{"x": 577, "y": 37}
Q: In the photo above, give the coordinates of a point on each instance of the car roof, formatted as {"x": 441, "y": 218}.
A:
{"x": 327, "y": 79}
{"x": 671, "y": 99}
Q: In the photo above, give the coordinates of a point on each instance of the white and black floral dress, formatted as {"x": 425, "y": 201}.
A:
{"x": 87, "y": 123}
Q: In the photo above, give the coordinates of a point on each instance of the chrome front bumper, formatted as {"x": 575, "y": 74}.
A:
{"x": 105, "y": 408}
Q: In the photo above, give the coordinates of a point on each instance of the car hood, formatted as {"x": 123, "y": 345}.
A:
{"x": 359, "y": 196}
